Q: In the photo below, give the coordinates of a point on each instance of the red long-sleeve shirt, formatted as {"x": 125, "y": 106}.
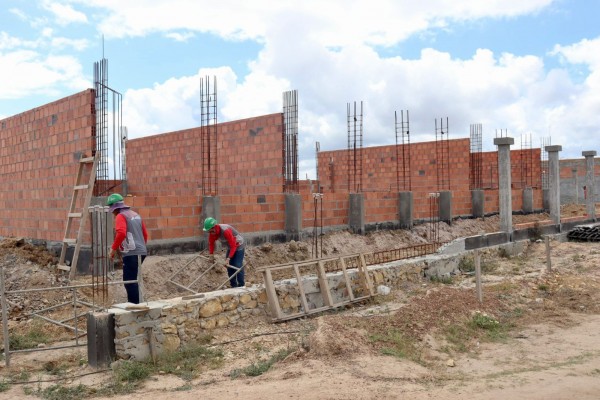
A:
{"x": 215, "y": 234}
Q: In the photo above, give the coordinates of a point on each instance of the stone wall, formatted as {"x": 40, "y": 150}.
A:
{"x": 172, "y": 323}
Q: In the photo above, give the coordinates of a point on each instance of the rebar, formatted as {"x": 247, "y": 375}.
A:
{"x": 442, "y": 152}
{"x": 355, "y": 144}
{"x": 434, "y": 217}
{"x": 317, "y": 223}
{"x": 290, "y": 141}
{"x": 403, "y": 170}
{"x": 545, "y": 141}
{"x": 476, "y": 158}
{"x": 108, "y": 136}
{"x": 208, "y": 136}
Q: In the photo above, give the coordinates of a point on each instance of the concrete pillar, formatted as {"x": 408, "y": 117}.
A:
{"x": 477, "y": 203}
{"x": 293, "y": 216}
{"x": 504, "y": 182}
{"x": 554, "y": 183}
{"x": 528, "y": 200}
{"x": 445, "y": 207}
{"x": 100, "y": 339}
{"x": 590, "y": 198}
{"x": 405, "y": 210}
{"x": 576, "y": 183}
{"x": 546, "y": 199}
{"x": 211, "y": 207}
{"x": 356, "y": 219}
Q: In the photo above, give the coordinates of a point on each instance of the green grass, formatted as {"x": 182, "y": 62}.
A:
{"x": 396, "y": 344}
{"x": 30, "y": 340}
{"x": 4, "y": 386}
{"x": 260, "y": 367}
{"x": 480, "y": 326}
{"x": 61, "y": 392}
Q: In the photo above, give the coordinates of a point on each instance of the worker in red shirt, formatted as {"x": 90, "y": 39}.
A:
{"x": 130, "y": 240}
{"x": 234, "y": 242}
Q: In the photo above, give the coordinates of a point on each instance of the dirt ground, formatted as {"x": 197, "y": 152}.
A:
{"x": 416, "y": 343}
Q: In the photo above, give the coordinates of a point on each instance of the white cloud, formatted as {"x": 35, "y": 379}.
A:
{"x": 332, "y": 23}
{"x": 27, "y": 72}
{"x": 64, "y": 13}
{"x": 172, "y": 105}
{"x": 180, "y": 37}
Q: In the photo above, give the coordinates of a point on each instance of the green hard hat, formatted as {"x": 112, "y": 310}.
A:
{"x": 209, "y": 223}
{"x": 113, "y": 198}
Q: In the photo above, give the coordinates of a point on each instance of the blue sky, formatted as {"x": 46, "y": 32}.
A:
{"x": 531, "y": 67}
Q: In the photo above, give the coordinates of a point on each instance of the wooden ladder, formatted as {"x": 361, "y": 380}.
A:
{"x": 318, "y": 266}
{"x": 87, "y": 190}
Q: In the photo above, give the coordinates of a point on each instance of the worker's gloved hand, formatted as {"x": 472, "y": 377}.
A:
{"x": 112, "y": 254}
{"x": 227, "y": 261}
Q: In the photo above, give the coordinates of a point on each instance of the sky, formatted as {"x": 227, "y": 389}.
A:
{"x": 529, "y": 69}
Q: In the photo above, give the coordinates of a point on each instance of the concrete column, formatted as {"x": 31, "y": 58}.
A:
{"x": 293, "y": 216}
{"x": 504, "y": 182}
{"x": 528, "y": 200}
{"x": 576, "y": 183}
{"x": 405, "y": 210}
{"x": 554, "y": 183}
{"x": 477, "y": 203}
{"x": 356, "y": 219}
{"x": 211, "y": 207}
{"x": 100, "y": 339}
{"x": 590, "y": 199}
{"x": 445, "y": 205}
{"x": 545, "y": 199}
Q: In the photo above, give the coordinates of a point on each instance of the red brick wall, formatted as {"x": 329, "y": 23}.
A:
{"x": 380, "y": 177}
{"x": 39, "y": 153}
{"x": 165, "y": 177}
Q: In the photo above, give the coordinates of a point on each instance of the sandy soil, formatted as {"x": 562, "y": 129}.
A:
{"x": 550, "y": 350}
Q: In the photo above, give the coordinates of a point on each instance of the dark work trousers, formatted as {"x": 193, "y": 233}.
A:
{"x": 130, "y": 273}
{"x": 237, "y": 261}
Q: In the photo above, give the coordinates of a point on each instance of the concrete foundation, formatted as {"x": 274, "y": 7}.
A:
{"x": 477, "y": 203}
{"x": 356, "y": 217}
{"x": 405, "y": 210}
{"x": 445, "y": 205}
{"x": 293, "y": 215}
{"x": 528, "y": 200}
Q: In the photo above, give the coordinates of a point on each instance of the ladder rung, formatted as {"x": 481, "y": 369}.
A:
{"x": 63, "y": 267}
{"x": 80, "y": 187}
{"x": 69, "y": 241}
{"x": 74, "y": 215}
{"x": 87, "y": 160}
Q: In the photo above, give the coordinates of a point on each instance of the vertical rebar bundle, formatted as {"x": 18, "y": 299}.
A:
{"x": 331, "y": 175}
{"x": 290, "y": 141}
{"x": 526, "y": 161}
{"x": 476, "y": 158}
{"x": 108, "y": 134}
{"x": 318, "y": 224}
{"x": 102, "y": 266}
{"x": 403, "y": 175}
{"x": 545, "y": 141}
{"x": 434, "y": 217}
{"x": 442, "y": 152}
{"x": 317, "y": 150}
{"x": 355, "y": 144}
{"x": 208, "y": 136}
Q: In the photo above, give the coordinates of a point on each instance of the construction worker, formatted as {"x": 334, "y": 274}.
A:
{"x": 234, "y": 242}
{"x": 130, "y": 240}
